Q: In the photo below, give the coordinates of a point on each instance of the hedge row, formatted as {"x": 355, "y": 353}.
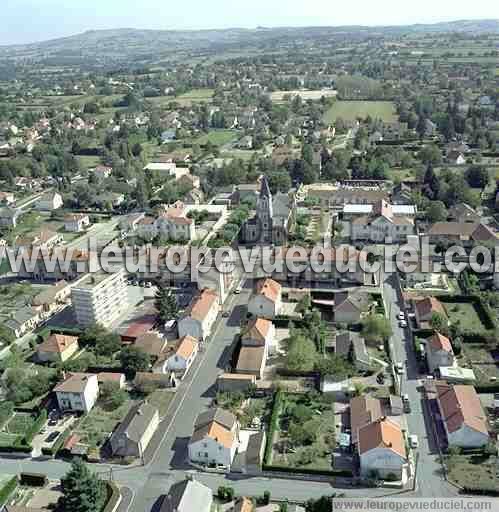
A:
{"x": 7, "y": 490}
{"x": 481, "y": 490}
{"x": 113, "y": 497}
{"x": 493, "y": 387}
{"x": 274, "y": 419}
{"x": 332, "y": 472}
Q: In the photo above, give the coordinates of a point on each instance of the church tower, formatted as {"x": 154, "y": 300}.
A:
{"x": 264, "y": 212}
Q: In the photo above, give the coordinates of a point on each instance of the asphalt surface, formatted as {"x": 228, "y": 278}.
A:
{"x": 430, "y": 481}
{"x": 143, "y": 485}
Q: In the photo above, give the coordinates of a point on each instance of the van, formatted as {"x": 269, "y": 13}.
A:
{"x": 413, "y": 441}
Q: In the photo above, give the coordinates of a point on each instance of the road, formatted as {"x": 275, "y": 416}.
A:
{"x": 429, "y": 476}
{"x": 165, "y": 459}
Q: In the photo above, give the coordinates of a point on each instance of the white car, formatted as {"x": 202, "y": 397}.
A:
{"x": 401, "y": 316}
{"x": 403, "y": 324}
{"x": 399, "y": 368}
{"x": 413, "y": 441}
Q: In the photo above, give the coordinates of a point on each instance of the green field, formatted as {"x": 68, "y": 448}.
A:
{"x": 351, "y": 110}
{"x": 216, "y": 137}
{"x": 184, "y": 100}
{"x": 19, "y": 423}
{"x": 88, "y": 162}
{"x": 465, "y": 315}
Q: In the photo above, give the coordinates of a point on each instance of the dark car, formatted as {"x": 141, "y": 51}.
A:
{"x": 52, "y": 436}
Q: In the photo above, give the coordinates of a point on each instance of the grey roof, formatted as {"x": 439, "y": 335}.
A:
{"x": 360, "y": 352}
{"x": 264, "y": 188}
{"x": 357, "y": 299}
{"x": 254, "y": 448}
{"x": 343, "y": 344}
{"x": 187, "y": 496}
{"x": 221, "y": 416}
{"x": 280, "y": 205}
{"x": 136, "y": 421}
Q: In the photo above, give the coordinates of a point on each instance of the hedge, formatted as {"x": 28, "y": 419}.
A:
{"x": 36, "y": 427}
{"x": 481, "y": 490}
{"x": 33, "y": 479}
{"x": 113, "y": 497}
{"x": 493, "y": 387}
{"x": 306, "y": 471}
{"x": 7, "y": 490}
{"x": 274, "y": 418}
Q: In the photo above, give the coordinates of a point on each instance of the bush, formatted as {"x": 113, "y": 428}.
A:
{"x": 33, "y": 479}
{"x": 7, "y": 490}
{"x": 276, "y": 410}
{"x": 226, "y": 493}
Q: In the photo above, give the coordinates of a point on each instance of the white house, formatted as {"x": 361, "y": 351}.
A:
{"x": 266, "y": 302}
{"x": 50, "y": 201}
{"x": 463, "y": 416}
{"x": 382, "y": 450}
{"x": 200, "y": 316}
{"x": 78, "y": 392}
{"x": 215, "y": 438}
{"x": 382, "y": 223}
{"x": 76, "y": 223}
{"x": 439, "y": 352}
{"x": 179, "y": 359}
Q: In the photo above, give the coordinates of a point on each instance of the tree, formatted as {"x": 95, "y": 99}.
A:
{"x": 82, "y": 490}
{"x": 134, "y": 360}
{"x": 438, "y": 322}
{"x": 477, "y": 176}
{"x": 302, "y": 354}
{"x": 166, "y": 304}
{"x": 376, "y": 328}
{"x": 436, "y": 211}
{"x": 111, "y": 396}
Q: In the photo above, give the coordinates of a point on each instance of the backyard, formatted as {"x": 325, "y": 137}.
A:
{"x": 351, "y": 110}
{"x": 216, "y": 137}
{"x": 100, "y": 423}
{"x": 465, "y": 315}
{"x": 482, "y": 360}
{"x": 476, "y": 470}
{"x": 305, "y": 434}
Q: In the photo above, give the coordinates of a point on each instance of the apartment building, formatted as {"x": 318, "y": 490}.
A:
{"x": 99, "y": 298}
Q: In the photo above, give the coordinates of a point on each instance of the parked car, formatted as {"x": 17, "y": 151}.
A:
{"x": 226, "y": 314}
{"x": 399, "y": 368}
{"x": 52, "y": 436}
{"x": 403, "y": 324}
{"x": 413, "y": 441}
{"x": 401, "y": 316}
{"x": 380, "y": 378}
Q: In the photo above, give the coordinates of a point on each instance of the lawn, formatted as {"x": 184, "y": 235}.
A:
{"x": 216, "y": 137}
{"x": 351, "y": 110}
{"x": 306, "y": 433}
{"x": 473, "y": 470}
{"x": 88, "y": 162}
{"x": 7, "y": 439}
{"x": 465, "y": 315}
{"x": 99, "y": 423}
{"x": 480, "y": 358}
{"x": 184, "y": 100}
{"x": 161, "y": 399}
{"x": 19, "y": 423}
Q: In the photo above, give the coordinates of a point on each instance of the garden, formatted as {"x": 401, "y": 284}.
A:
{"x": 464, "y": 315}
{"x": 304, "y": 434}
{"x": 474, "y": 471}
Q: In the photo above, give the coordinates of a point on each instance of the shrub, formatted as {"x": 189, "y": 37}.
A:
{"x": 226, "y": 493}
{"x": 7, "y": 490}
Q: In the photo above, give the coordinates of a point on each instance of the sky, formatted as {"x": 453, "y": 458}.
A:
{"x": 25, "y": 21}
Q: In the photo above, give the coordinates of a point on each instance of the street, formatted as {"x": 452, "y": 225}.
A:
{"x": 429, "y": 475}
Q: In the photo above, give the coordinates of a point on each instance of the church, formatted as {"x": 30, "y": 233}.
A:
{"x": 273, "y": 217}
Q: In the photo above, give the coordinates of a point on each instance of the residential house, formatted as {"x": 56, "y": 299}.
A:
{"x": 439, "y": 352}
{"x": 52, "y": 299}
{"x": 336, "y": 196}
{"x": 353, "y": 347}
{"x": 135, "y": 432}
{"x": 259, "y": 332}
{"x": 424, "y": 310}
{"x": 234, "y": 382}
{"x": 463, "y": 416}
{"x": 50, "y": 201}
{"x": 381, "y": 448}
{"x": 7, "y": 198}
{"x": 402, "y": 194}
{"x": 382, "y": 224}
{"x": 21, "y": 321}
{"x": 246, "y": 142}
{"x": 101, "y": 172}
{"x": 393, "y": 129}
{"x": 114, "y": 378}
{"x": 78, "y": 392}
{"x": 76, "y": 223}
{"x": 57, "y": 348}
{"x": 251, "y": 361}
{"x": 456, "y": 158}
{"x": 364, "y": 410}
{"x": 9, "y": 217}
{"x": 462, "y": 213}
{"x": 197, "y": 321}
{"x": 215, "y": 438}
{"x": 462, "y": 233}
{"x": 350, "y": 307}
{"x": 266, "y": 302}
{"x": 179, "y": 359}
{"x": 45, "y": 239}
{"x": 188, "y": 496}
{"x": 152, "y": 344}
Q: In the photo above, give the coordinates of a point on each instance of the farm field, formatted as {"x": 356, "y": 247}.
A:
{"x": 351, "y": 110}
{"x": 216, "y": 137}
{"x": 185, "y": 100}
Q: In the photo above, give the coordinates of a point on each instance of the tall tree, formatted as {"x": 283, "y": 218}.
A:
{"x": 166, "y": 304}
{"x": 82, "y": 490}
